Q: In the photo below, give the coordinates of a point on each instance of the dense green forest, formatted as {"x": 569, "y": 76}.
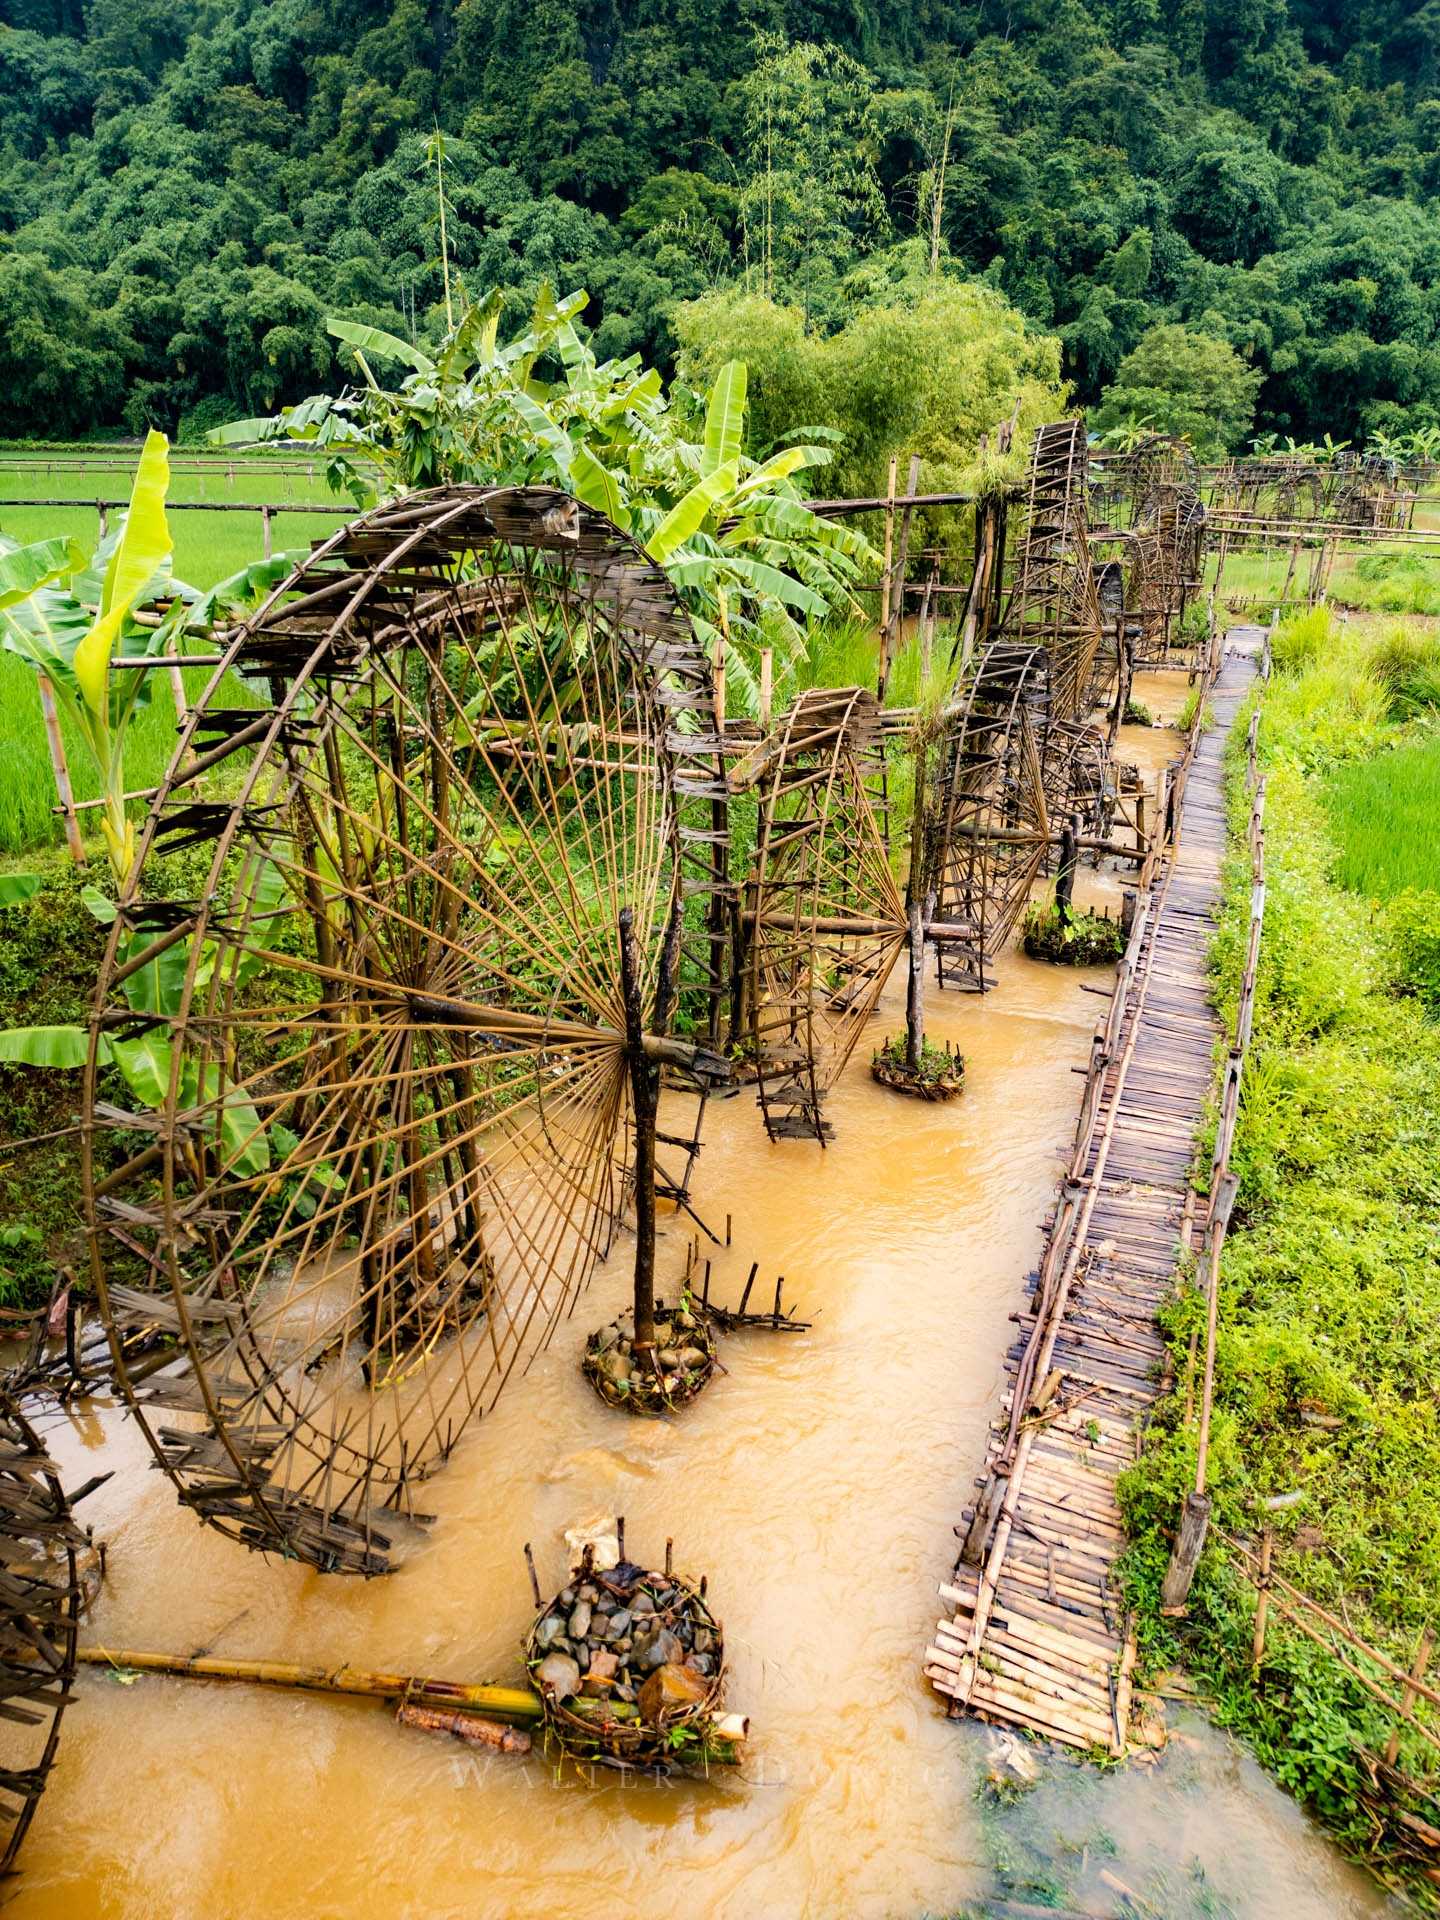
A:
{"x": 188, "y": 187}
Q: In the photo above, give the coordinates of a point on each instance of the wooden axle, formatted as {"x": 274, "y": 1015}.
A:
{"x": 509, "y": 1023}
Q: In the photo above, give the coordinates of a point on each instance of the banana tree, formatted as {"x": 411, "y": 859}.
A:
{"x": 733, "y": 533}
{"x": 65, "y": 612}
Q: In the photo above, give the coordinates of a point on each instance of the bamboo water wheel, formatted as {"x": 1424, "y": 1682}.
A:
{"x": 40, "y": 1601}
{"x": 990, "y": 815}
{"x": 1363, "y": 492}
{"x": 1170, "y": 532}
{"x": 395, "y": 1041}
{"x": 825, "y": 920}
{"x": 1052, "y": 601}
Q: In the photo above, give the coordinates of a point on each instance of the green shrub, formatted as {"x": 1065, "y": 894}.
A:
{"x": 1404, "y": 582}
{"x": 1081, "y": 940}
{"x": 1413, "y": 919}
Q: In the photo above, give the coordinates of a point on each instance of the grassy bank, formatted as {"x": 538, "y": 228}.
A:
{"x": 1329, "y": 1347}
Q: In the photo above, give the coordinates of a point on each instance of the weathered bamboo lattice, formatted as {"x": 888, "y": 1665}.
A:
{"x": 40, "y": 1601}
{"x": 393, "y": 1137}
{"x": 825, "y": 919}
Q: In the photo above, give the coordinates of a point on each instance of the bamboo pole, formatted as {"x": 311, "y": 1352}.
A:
{"x": 1262, "y": 1602}
{"x": 60, "y": 768}
{"x": 516, "y": 1704}
{"x": 896, "y": 613}
{"x": 885, "y": 570}
{"x": 1409, "y": 1690}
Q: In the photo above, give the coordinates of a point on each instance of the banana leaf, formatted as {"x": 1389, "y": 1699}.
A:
{"x": 685, "y": 519}
{"x": 24, "y": 570}
{"x": 725, "y": 417}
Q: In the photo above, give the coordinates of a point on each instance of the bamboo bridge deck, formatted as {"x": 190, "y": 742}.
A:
{"x": 1037, "y": 1635}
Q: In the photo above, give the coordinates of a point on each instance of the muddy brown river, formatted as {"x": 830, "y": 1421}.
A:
{"x": 817, "y": 1485}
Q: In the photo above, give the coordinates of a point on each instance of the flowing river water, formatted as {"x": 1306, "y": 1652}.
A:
{"x": 817, "y": 1485}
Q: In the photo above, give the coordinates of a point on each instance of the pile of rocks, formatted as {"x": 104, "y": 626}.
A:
{"x": 643, "y": 1645}
{"x": 684, "y": 1357}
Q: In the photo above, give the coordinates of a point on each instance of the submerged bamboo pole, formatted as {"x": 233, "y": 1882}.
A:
{"x": 517, "y": 1704}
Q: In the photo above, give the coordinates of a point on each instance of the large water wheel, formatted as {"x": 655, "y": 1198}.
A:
{"x": 393, "y": 1042}
{"x": 824, "y": 918}
{"x": 996, "y": 775}
{"x": 40, "y": 1598}
{"x": 1053, "y": 600}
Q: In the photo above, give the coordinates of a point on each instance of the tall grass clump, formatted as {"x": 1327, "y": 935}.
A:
{"x": 1406, "y": 662}
{"x": 1325, "y": 705}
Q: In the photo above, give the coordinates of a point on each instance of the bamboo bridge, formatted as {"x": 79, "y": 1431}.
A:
{"x": 1037, "y": 1634}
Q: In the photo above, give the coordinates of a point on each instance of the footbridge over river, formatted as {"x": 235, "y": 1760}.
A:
{"x": 1036, "y": 1633}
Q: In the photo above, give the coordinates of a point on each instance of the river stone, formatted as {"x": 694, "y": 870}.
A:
{"x": 670, "y": 1689}
{"x": 559, "y": 1674}
{"x": 550, "y": 1629}
{"x": 702, "y": 1663}
{"x": 669, "y": 1359}
{"x": 606, "y": 1338}
{"x": 686, "y": 1320}
{"x": 642, "y": 1603}
{"x": 702, "y": 1640}
{"x": 602, "y": 1671}
{"x": 620, "y": 1623}
{"x": 692, "y": 1358}
{"x": 616, "y": 1366}
{"x": 579, "y": 1624}
{"x": 664, "y": 1650}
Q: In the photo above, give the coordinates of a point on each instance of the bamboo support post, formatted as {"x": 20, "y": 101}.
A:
{"x": 915, "y": 989}
{"x": 1262, "y": 1600}
{"x": 896, "y": 617}
{"x": 1185, "y": 1556}
{"x": 1065, "y": 875}
{"x": 885, "y": 568}
{"x": 60, "y": 768}
{"x": 1408, "y": 1692}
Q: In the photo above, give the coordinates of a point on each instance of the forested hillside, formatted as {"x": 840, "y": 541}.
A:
{"x": 188, "y": 187}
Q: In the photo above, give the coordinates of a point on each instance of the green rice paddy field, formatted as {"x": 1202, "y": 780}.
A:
{"x": 208, "y": 547}
{"x": 1385, "y": 818}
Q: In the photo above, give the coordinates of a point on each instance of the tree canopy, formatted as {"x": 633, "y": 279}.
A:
{"x": 1180, "y": 382}
{"x": 189, "y": 187}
